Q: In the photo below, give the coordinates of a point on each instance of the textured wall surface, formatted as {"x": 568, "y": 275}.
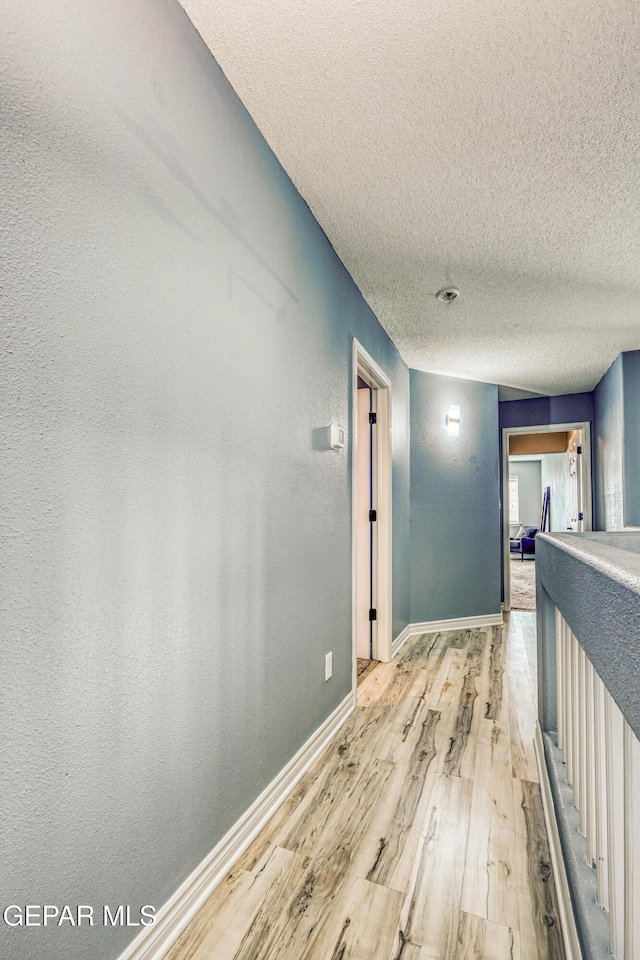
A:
{"x": 631, "y": 392}
{"x": 571, "y": 408}
{"x": 529, "y": 491}
{"x": 176, "y": 548}
{"x": 455, "y": 525}
{"x": 609, "y": 449}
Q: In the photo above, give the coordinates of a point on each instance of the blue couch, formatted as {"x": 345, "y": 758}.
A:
{"x": 524, "y": 543}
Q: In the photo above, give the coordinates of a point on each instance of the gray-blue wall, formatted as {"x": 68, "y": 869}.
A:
{"x": 631, "y": 378}
{"x": 568, "y": 408}
{"x": 528, "y": 473}
{"x": 609, "y": 449}
{"x": 617, "y": 448}
{"x": 176, "y": 553}
{"x": 455, "y": 523}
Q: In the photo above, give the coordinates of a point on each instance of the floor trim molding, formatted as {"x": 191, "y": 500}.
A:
{"x": 572, "y": 947}
{"x": 400, "y": 640}
{"x": 153, "y": 942}
{"x": 434, "y": 626}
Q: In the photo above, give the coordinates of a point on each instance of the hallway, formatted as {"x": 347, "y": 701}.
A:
{"x": 418, "y": 835}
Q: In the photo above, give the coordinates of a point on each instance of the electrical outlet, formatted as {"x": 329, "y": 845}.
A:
{"x": 328, "y": 665}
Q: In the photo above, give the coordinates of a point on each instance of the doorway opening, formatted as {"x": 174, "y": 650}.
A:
{"x": 546, "y": 482}
{"x": 371, "y": 512}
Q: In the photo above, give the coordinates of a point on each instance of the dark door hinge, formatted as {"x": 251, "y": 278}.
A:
{"x": 581, "y": 516}
{"x": 373, "y": 614}
{"x": 373, "y": 418}
{"x": 578, "y": 449}
{"x": 373, "y": 516}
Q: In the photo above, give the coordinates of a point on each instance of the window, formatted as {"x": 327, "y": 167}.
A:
{"x": 514, "y": 501}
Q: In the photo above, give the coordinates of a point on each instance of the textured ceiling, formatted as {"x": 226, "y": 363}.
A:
{"x": 493, "y": 147}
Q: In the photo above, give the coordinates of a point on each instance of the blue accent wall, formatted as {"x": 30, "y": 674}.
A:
{"x": 570, "y": 408}
{"x": 631, "y": 396}
{"x": 455, "y": 520}
{"x": 176, "y": 558}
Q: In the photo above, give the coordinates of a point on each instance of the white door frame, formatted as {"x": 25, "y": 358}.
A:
{"x": 586, "y": 492}
{"x": 364, "y": 366}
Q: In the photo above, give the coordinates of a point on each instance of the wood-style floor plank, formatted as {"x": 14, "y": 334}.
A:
{"x": 522, "y": 704}
{"x": 417, "y": 835}
{"x": 329, "y": 827}
{"x": 221, "y": 926}
{"x": 446, "y": 701}
{"x": 398, "y": 830}
{"x": 366, "y": 925}
{"x": 372, "y": 688}
{"x": 460, "y": 740}
{"x": 430, "y": 914}
{"x": 489, "y": 702}
{"x": 478, "y": 938}
{"x": 496, "y": 669}
{"x": 489, "y": 888}
{"x": 539, "y": 915}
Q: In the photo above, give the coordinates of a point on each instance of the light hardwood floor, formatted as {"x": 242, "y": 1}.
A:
{"x": 419, "y": 834}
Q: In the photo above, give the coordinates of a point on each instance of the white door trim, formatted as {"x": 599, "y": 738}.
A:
{"x": 586, "y": 493}
{"x": 365, "y": 366}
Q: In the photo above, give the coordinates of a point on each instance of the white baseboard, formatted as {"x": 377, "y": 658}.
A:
{"x": 434, "y": 626}
{"x": 400, "y": 640}
{"x": 153, "y": 942}
{"x": 572, "y": 947}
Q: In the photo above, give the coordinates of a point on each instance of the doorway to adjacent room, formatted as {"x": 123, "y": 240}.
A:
{"x": 371, "y": 511}
{"x": 546, "y": 482}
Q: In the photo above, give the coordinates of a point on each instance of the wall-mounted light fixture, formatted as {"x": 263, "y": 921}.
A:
{"x": 335, "y": 436}
{"x": 453, "y": 420}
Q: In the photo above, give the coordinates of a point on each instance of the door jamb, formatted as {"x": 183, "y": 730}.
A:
{"x": 364, "y": 365}
{"x": 587, "y": 494}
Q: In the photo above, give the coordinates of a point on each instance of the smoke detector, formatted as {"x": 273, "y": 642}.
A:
{"x": 448, "y": 295}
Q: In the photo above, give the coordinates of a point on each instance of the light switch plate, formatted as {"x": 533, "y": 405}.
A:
{"x": 328, "y": 665}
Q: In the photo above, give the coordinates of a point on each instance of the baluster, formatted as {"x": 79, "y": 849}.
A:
{"x": 591, "y": 801}
{"x": 560, "y": 679}
{"x": 575, "y": 719}
{"x": 614, "y": 746}
{"x": 567, "y": 693}
{"x": 581, "y": 798}
{"x": 602, "y": 857}
{"x": 570, "y": 703}
{"x": 632, "y": 843}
